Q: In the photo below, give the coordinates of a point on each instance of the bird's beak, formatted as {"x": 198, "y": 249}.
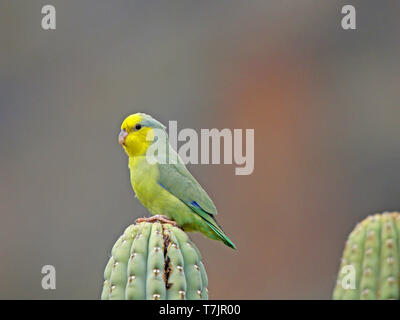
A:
{"x": 122, "y": 137}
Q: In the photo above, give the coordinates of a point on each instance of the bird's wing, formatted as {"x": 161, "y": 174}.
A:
{"x": 176, "y": 179}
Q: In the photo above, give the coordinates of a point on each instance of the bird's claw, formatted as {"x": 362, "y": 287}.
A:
{"x": 159, "y": 218}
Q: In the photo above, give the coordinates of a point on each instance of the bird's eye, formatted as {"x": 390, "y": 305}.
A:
{"x": 138, "y": 127}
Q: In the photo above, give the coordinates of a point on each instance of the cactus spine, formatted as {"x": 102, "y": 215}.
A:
{"x": 154, "y": 261}
{"x": 373, "y": 250}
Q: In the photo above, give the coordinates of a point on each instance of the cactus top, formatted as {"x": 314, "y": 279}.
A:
{"x": 370, "y": 266}
{"x": 154, "y": 261}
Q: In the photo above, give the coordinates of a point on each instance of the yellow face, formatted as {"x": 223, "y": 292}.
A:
{"x": 134, "y": 137}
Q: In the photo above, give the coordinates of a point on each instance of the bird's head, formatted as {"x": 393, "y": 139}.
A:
{"x": 137, "y": 133}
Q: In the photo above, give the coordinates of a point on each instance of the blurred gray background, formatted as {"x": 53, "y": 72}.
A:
{"x": 324, "y": 103}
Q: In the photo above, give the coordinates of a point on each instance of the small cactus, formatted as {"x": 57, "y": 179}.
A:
{"x": 372, "y": 249}
{"x": 153, "y": 261}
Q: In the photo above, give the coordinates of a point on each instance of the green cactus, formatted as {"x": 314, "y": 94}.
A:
{"x": 154, "y": 261}
{"x": 373, "y": 250}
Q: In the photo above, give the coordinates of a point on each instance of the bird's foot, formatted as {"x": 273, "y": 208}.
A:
{"x": 157, "y": 217}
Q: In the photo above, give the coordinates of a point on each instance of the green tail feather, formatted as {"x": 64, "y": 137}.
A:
{"x": 223, "y": 237}
{"x": 213, "y": 225}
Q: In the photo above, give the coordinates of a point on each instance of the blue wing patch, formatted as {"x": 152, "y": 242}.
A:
{"x": 194, "y": 203}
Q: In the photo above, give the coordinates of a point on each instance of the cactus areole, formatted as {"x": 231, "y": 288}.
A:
{"x": 154, "y": 261}
{"x": 370, "y": 267}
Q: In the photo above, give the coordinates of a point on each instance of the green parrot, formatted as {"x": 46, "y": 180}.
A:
{"x": 166, "y": 189}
